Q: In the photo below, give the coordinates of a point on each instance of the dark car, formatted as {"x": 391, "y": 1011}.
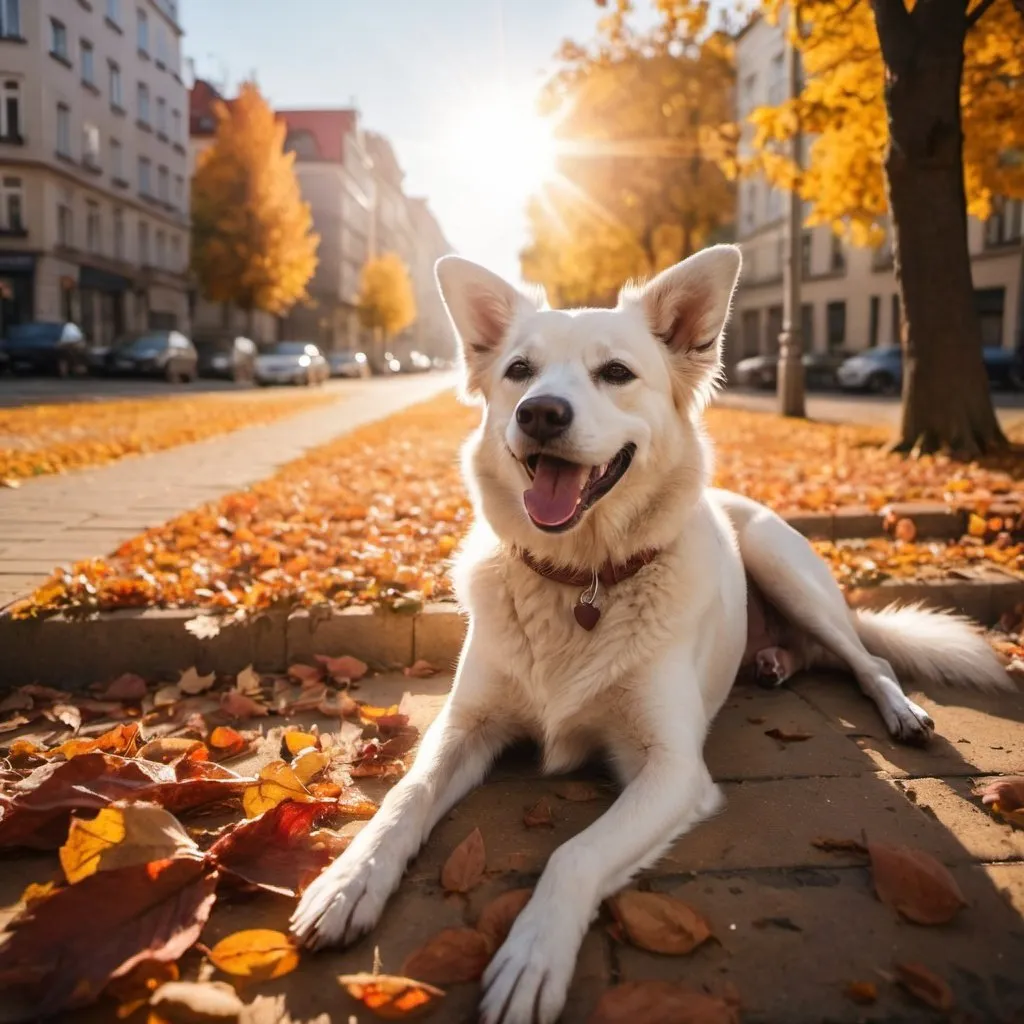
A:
{"x": 385, "y": 365}
{"x": 820, "y": 370}
{"x": 227, "y": 357}
{"x": 167, "y": 354}
{"x": 880, "y": 370}
{"x": 1005, "y": 369}
{"x": 46, "y": 347}
{"x": 348, "y": 364}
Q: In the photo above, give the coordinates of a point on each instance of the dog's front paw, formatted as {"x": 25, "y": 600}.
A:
{"x": 344, "y": 902}
{"x": 528, "y": 979}
{"x": 908, "y": 722}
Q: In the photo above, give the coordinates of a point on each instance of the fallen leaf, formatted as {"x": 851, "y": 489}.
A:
{"x": 166, "y": 695}
{"x": 325, "y": 790}
{"x": 168, "y": 749}
{"x": 65, "y": 714}
{"x": 121, "y": 835}
{"x": 657, "y": 922}
{"x": 576, "y": 792}
{"x": 294, "y": 741}
{"x": 36, "y": 892}
{"x": 205, "y": 627}
{"x": 785, "y": 923}
{"x": 839, "y": 845}
{"x": 905, "y": 530}
{"x": 420, "y": 670}
{"x": 277, "y": 781}
{"x": 153, "y": 911}
{"x": 370, "y": 713}
{"x": 788, "y": 735}
{"x": 337, "y": 704}
{"x": 18, "y": 700}
{"x": 189, "y": 1002}
{"x": 280, "y": 851}
{"x": 453, "y": 955}
{"x": 496, "y": 919}
{"x": 861, "y": 992}
{"x": 126, "y": 687}
{"x": 192, "y": 683}
{"x": 1005, "y": 797}
{"x": 394, "y": 725}
{"x": 391, "y": 997}
{"x": 305, "y": 673}
{"x": 976, "y": 525}
{"x": 661, "y": 1002}
{"x": 122, "y": 740}
{"x": 226, "y": 742}
{"x": 539, "y": 815}
{"x": 915, "y": 884}
{"x": 133, "y": 990}
{"x": 248, "y": 681}
{"x": 309, "y": 764}
{"x": 235, "y": 704}
{"x": 344, "y": 669}
{"x": 925, "y": 985}
{"x": 15, "y": 723}
{"x": 257, "y": 954}
{"x": 464, "y": 868}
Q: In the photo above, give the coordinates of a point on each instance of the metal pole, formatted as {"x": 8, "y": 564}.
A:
{"x": 791, "y": 367}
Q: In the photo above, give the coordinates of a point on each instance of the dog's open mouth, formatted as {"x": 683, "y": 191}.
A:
{"x": 560, "y": 491}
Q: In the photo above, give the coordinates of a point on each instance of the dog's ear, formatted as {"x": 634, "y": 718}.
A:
{"x": 481, "y": 307}
{"x": 687, "y": 306}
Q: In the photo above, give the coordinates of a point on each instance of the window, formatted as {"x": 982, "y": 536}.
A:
{"x": 835, "y": 319}
{"x": 161, "y": 249}
{"x": 143, "y": 243}
{"x": 1004, "y": 226}
{"x": 142, "y": 31}
{"x": 65, "y": 223}
{"x": 10, "y": 19}
{"x": 116, "y": 160}
{"x": 12, "y": 205}
{"x": 92, "y": 227}
{"x": 806, "y": 248}
{"x": 807, "y": 327}
{"x": 179, "y": 192}
{"x": 777, "y": 82}
{"x": 161, "y": 46}
{"x": 175, "y": 253}
{"x": 838, "y": 257}
{"x": 88, "y": 63}
{"x": 176, "y": 126}
{"x": 876, "y": 313}
{"x": 115, "y": 86}
{"x": 749, "y": 94}
{"x": 142, "y": 102}
{"x": 773, "y": 329}
{"x": 163, "y": 190}
{"x": 114, "y": 11}
{"x": 63, "y": 130}
{"x": 58, "y": 39}
{"x": 10, "y": 110}
{"x": 91, "y": 145}
{"x": 161, "y": 115}
{"x": 118, "y": 234}
{"x": 991, "y": 304}
{"x": 145, "y": 176}
{"x": 882, "y": 258}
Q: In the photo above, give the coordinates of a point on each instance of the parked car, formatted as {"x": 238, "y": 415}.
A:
{"x": 46, "y": 347}
{"x": 385, "y": 365}
{"x": 5, "y": 359}
{"x": 227, "y": 357}
{"x": 443, "y": 364}
{"x": 418, "y": 363}
{"x": 167, "y": 354}
{"x": 292, "y": 362}
{"x": 349, "y": 364}
{"x": 880, "y": 370}
{"x": 820, "y": 370}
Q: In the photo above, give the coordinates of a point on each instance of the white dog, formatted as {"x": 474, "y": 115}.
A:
{"x": 607, "y": 590}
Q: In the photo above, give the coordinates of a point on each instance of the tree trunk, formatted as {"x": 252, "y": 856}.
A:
{"x": 947, "y": 404}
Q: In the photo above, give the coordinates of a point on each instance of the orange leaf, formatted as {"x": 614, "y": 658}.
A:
{"x": 277, "y": 782}
{"x": 464, "y": 868}
{"x": 496, "y": 919}
{"x": 227, "y": 742}
{"x": 658, "y": 1002}
{"x": 925, "y": 985}
{"x": 861, "y": 992}
{"x": 346, "y": 668}
{"x": 658, "y": 922}
{"x": 257, "y": 954}
{"x": 576, "y": 792}
{"x": 539, "y": 815}
{"x": 420, "y": 670}
{"x": 915, "y": 884}
{"x": 390, "y": 997}
{"x": 451, "y": 956}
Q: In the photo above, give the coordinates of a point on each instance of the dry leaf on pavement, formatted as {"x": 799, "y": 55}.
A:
{"x": 126, "y": 687}
{"x": 189, "y": 1002}
{"x": 277, "y": 781}
{"x": 464, "y": 867}
{"x": 788, "y": 735}
{"x": 248, "y": 681}
{"x": 168, "y": 749}
{"x": 496, "y": 919}
{"x": 294, "y": 741}
{"x": 576, "y": 792}
{"x": 236, "y": 704}
{"x": 839, "y": 845}
{"x": 864, "y": 993}
{"x": 309, "y": 764}
{"x": 661, "y": 1002}
{"x": 420, "y": 670}
{"x": 539, "y": 815}
{"x": 345, "y": 669}
{"x": 192, "y": 683}
{"x": 225, "y": 742}
{"x": 122, "y": 740}
{"x": 924, "y": 985}
{"x": 257, "y": 954}
{"x": 915, "y": 884}
{"x": 133, "y": 990}
{"x": 390, "y": 997}
{"x": 305, "y": 673}
{"x": 453, "y": 955}
{"x": 1005, "y": 797}
{"x": 657, "y": 922}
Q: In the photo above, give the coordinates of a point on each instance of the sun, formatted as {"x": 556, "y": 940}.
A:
{"x": 498, "y": 141}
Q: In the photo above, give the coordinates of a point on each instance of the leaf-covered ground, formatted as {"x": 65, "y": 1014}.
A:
{"x": 42, "y": 439}
{"x": 373, "y": 517}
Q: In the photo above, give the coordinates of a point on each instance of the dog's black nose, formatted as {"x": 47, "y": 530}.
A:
{"x": 544, "y": 417}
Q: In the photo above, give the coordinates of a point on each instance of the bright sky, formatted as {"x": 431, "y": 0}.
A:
{"x": 449, "y": 82}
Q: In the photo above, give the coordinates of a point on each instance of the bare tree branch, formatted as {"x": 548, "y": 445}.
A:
{"x": 978, "y": 13}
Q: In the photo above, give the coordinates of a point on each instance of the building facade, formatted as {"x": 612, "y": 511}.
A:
{"x": 849, "y": 293}
{"x": 431, "y": 334}
{"x": 94, "y": 200}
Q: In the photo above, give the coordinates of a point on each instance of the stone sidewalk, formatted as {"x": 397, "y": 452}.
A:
{"x": 792, "y": 925}
{"x": 59, "y": 519}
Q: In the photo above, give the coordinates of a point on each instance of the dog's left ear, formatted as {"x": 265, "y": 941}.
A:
{"x": 687, "y": 306}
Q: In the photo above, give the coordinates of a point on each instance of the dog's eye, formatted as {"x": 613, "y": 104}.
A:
{"x": 706, "y": 347}
{"x": 616, "y": 373}
{"x": 519, "y": 370}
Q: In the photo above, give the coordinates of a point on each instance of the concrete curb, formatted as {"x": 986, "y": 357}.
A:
{"x": 74, "y": 652}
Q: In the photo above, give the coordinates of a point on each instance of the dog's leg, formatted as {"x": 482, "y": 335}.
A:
{"x": 800, "y": 585}
{"x": 347, "y": 899}
{"x": 671, "y": 790}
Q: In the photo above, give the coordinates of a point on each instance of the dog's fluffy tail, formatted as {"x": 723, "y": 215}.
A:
{"x": 932, "y": 646}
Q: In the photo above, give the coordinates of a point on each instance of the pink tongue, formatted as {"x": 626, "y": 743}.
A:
{"x": 551, "y": 500}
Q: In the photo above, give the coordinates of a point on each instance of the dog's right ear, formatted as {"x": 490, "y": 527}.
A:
{"x": 481, "y": 307}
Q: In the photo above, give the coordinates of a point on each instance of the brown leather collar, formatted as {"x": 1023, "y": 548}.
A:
{"x": 608, "y": 574}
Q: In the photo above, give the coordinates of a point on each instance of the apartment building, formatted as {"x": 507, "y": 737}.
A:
{"x": 431, "y": 333}
{"x": 849, "y": 293}
{"x": 94, "y": 201}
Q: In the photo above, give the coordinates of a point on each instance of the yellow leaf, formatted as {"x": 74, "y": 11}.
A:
{"x": 309, "y": 764}
{"x": 976, "y": 526}
{"x": 257, "y": 954}
{"x": 295, "y": 741}
{"x": 277, "y": 782}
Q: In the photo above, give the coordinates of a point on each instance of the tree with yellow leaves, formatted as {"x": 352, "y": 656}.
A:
{"x": 253, "y": 243}
{"x": 914, "y": 108}
{"x": 646, "y": 137}
{"x": 386, "y": 303}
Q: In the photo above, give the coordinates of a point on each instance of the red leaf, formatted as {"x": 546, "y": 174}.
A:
{"x": 914, "y": 883}
{"x": 127, "y": 687}
{"x": 576, "y": 792}
{"x": 661, "y": 1002}
{"x": 152, "y": 911}
{"x": 658, "y": 922}
{"x": 451, "y": 956}
{"x": 343, "y": 669}
{"x": 279, "y": 851}
{"x": 464, "y": 868}
{"x": 496, "y": 919}
{"x": 420, "y": 670}
{"x": 539, "y": 815}
{"x": 925, "y": 985}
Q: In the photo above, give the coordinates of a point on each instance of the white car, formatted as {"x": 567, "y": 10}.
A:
{"x": 292, "y": 362}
